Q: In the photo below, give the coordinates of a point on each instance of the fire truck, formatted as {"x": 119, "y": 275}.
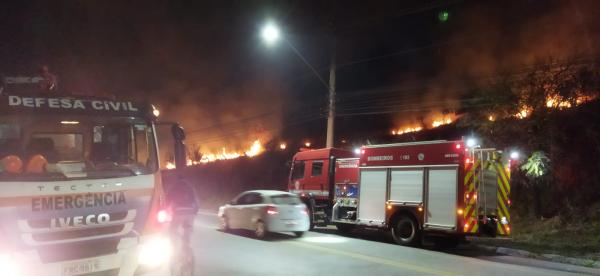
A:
{"x": 440, "y": 190}
{"x": 80, "y": 185}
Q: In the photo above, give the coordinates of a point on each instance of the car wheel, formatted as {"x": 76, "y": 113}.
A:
{"x": 405, "y": 231}
{"x": 260, "y": 231}
{"x": 224, "y": 224}
{"x": 299, "y": 234}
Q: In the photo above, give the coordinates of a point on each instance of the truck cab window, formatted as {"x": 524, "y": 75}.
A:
{"x": 317, "y": 168}
{"x": 298, "y": 170}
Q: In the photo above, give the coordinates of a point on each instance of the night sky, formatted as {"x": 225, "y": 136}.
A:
{"x": 203, "y": 62}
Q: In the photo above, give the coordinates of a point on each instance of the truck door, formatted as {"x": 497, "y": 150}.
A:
{"x": 316, "y": 182}
{"x": 372, "y": 195}
{"x": 442, "y": 197}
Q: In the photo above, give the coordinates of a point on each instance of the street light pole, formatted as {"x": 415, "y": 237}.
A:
{"x": 331, "y": 109}
{"x": 270, "y": 34}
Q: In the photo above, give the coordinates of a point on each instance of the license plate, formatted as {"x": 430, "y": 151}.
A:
{"x": 291, "y": 223}
{"x": 82, "y": 267}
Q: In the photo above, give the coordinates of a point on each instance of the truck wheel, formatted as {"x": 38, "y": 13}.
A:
{"x": 344, "y": 228}
{"x": 311, "y": 212}
{"x": 405, "y": 231}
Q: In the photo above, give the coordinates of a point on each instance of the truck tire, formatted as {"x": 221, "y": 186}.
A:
{"x": 311, "y": 212}
{"x": 405, "y": 231}
{"x": 344, "y": 228}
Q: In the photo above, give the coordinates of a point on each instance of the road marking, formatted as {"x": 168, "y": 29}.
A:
{"x": 372, "y": 259}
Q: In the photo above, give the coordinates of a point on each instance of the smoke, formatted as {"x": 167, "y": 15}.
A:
{"x": 232, "y": 118}
{"x": 488, "y": 40}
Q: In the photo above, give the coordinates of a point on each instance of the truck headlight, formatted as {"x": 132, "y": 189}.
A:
{"x": 8, "y": 265}
{"x": 155, "y": 252}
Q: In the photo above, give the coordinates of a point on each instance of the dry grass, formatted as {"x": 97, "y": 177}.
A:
{"x": 554, "y": 236}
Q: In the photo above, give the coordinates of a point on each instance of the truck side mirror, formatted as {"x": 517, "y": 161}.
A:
{"x": 180, "y": 152}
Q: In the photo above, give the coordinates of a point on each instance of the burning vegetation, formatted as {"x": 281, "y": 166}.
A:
{"x": 433, "y": 121}
{"x": 254, "y": 150}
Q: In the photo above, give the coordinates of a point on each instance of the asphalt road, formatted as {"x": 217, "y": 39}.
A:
{"x": 326, "y": 253}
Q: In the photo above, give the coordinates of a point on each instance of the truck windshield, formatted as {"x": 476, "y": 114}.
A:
{"x": 51, "y": 147}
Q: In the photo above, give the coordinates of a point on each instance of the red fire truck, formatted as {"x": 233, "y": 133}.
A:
{"x": 442, "y": 190}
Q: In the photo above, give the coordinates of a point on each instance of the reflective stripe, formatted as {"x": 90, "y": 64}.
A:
{"x": 469, "y": 215}
{"x": 502, "y": 198}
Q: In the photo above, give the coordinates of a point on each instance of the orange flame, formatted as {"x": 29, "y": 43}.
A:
{"x": 435, "y": 122}
{"x": 555, "y": 102}
{"x": 524, "y": 112}
{"x": 256, "y": 149}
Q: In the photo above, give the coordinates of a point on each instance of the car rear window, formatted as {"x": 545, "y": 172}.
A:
{"x": 285, "y": 199}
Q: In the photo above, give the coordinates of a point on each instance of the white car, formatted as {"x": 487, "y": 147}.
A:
{"x": 264, "y": 211}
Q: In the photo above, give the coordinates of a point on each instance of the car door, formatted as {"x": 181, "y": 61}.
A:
{"x": 251, "y": 210}
{"x": 234, "y": 210}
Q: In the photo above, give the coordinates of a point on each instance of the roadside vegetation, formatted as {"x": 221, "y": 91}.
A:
{"x": 552, "y": 116}
{"x": 554, "y": 236}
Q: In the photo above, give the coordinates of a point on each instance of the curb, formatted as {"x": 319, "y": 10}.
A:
{"x": 546, "y": 257}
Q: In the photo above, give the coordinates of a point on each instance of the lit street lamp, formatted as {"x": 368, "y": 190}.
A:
{"x": 270, "y": 34}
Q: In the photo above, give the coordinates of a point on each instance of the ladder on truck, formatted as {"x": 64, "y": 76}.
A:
{"x": 487, "y": 193}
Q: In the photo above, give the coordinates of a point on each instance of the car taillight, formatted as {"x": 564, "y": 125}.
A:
{"x": 272, "y": 210}
{"x": 163, "y": 216}
{"x": 304, "y": 210}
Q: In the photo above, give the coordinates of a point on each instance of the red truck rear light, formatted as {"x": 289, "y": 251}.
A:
{"x": 272, "y": 210}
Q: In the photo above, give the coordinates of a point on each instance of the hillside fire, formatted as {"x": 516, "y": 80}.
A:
{"x": 256, "y": 149}
{"x": 555, "y": 102}
{"x": 434, "y": 123}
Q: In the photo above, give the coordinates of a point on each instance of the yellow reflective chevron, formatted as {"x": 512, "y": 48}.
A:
{"x": 503, "y": 196}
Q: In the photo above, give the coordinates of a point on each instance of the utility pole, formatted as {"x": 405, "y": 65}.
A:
{"x": 331, "y": 109}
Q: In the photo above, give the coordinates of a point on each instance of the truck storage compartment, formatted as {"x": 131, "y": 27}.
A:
{"x": 441, "y": 200}
{"x": 406, "y": 185}
{"x": 372, "y": 196}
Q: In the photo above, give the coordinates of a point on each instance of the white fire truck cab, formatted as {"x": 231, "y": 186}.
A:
{"x": 440, "y": 189}
{"x": 80, "y": 186}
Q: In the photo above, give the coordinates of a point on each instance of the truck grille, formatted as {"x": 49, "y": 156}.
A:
{"x": 39, "y": 232}
{"x": 76, "y": 234}
{"x": 79, "y": 250}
